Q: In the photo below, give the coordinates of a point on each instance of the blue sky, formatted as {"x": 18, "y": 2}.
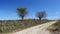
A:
{"x": 8, "y": 8}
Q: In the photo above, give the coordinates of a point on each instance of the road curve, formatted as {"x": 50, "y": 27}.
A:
{"x": 39, "y": 29}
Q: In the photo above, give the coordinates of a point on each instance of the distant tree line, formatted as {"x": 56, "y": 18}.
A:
{"x": 22, "y": 12}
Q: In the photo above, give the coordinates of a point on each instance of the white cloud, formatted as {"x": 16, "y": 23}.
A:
{"x": 56, "y": 12}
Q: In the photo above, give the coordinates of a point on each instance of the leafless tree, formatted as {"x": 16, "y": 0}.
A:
{"x": 41, "y": 14}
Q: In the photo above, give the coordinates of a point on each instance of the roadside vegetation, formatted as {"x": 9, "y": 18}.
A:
{"x": 55, "y": 27}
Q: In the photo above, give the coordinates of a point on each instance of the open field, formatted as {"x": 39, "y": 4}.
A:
{"x": 17, "y": 25}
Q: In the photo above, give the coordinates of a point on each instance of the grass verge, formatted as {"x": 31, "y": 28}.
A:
{"x": 55, "y": 26}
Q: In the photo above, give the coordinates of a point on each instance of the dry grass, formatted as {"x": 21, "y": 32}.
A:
{"x": 55, "y": 26}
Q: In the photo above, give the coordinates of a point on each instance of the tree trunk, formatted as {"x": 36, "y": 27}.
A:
{"x": 22, "y": 18}
{"x": 40, "y": 19}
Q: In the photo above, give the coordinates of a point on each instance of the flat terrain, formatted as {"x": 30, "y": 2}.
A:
{"x": 39, "y": 29}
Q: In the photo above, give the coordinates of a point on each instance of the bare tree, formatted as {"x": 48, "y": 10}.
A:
{"x": 22, "y": 12}
{"x": 41, "y": 14}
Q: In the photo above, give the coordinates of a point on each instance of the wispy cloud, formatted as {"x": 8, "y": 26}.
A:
{"x": 56, "y": 12}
